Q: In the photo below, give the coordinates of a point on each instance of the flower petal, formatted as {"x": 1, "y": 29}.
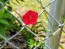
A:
{"x": 30, "y": 17}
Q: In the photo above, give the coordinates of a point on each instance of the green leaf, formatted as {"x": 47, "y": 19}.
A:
{"x": 2, "y": 32}
{"x": 4, "y": 22}
{"x": 6, "y": 15}
{"x": 0, "y": 6}
{"x": 2, "y": 12}
{"x": 46, "y": 30}
{"x": 64, "y": 18}
{"x": 3, "y": 1}
{"x": 31, "y": 43}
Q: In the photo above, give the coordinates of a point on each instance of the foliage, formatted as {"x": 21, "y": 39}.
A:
{"x": 30, "y": 38}
{"x": 31, "y": 43}
{"x": 0, "y": 6}
{"x": 63, "y": 18}
{"x": 46, "y": 30}
{"x": 27, "y": 34}
{"x": 34, "y": 28}
{"x": 6, "y": 0}
{"x": 3, "y": 1}
{"x": 6, "y": 22}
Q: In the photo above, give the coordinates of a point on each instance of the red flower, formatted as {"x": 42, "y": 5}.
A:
{"x": 30, "y": 17}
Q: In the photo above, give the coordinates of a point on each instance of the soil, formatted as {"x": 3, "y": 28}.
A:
{"x": 18, "y": 41}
